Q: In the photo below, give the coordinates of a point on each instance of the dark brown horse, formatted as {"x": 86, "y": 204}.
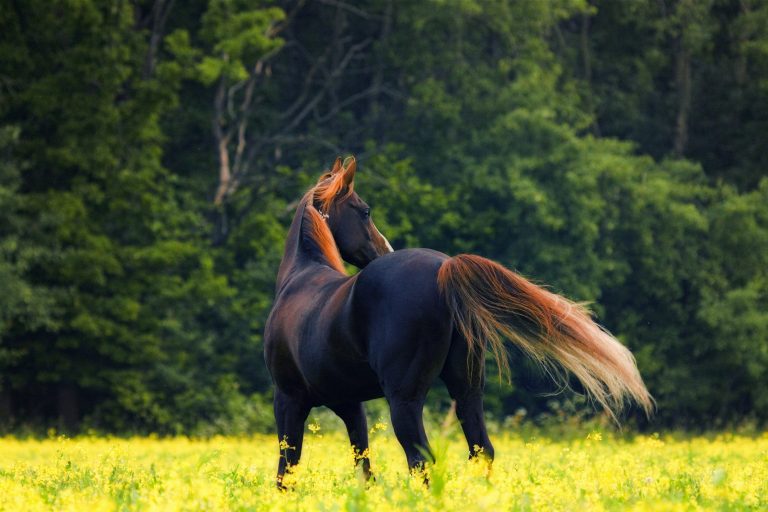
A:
{"x": 407, "y": 318}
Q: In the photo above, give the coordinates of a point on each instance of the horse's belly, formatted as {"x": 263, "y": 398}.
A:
{"x": 332, "y": 382}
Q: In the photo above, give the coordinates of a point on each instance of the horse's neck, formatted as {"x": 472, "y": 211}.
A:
{"x": 292, "y": 253}
{"x": 298, "y": 255}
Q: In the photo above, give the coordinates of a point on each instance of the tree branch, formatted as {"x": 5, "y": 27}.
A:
{"x": 160, "y": 11}
{"x": 351, "y": 8}
{"x": 222, "y": 143}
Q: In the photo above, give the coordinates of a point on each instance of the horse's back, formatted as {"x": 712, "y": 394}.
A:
{"x": 401, "y": 278}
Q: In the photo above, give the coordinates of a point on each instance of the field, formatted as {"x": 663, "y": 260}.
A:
{"x": 593, "y": 472}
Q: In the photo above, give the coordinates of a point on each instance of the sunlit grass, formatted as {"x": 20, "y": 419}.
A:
{"x": 594, "y": 472}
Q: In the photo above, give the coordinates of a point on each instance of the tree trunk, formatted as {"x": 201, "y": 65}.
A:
{"x": 683, "y": 81}
{"x": 586, "y": 59}
{"x": 69, "y": 415}
{"x": 378, "y": 77}
{"x": 6, "y": 408}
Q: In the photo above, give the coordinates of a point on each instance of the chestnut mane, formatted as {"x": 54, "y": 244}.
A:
{"x": 318, "y": 200}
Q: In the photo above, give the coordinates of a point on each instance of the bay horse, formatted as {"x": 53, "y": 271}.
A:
{"x": 407, "y": 318}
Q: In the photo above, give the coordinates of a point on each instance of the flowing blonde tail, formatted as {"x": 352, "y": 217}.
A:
{"x": 490, "y": 304}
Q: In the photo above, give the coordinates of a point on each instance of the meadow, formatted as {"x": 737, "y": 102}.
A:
{"x": 596, "y": 471}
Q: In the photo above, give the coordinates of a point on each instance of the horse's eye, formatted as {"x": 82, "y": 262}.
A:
{"x": 367, "y": 213}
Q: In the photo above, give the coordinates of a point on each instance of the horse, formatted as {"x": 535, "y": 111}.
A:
{"x": 407, "y": 318}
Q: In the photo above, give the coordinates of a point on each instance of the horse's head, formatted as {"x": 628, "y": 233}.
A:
{"x": 348, "y": 216}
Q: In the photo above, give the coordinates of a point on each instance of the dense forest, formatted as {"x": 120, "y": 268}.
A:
{"x": 152, "y": 152}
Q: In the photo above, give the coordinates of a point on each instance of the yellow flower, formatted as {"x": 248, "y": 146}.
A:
{"x": 378, "y": 426}
{"x": 595, "y": 436}
{"x": 158, "y": 474}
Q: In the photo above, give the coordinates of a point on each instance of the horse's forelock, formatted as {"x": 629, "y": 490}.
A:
{"x": 331, "y": 187}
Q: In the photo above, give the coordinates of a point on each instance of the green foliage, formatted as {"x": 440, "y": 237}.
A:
{"x": 613, "y": 150}
{"x": 237, "y": 34}
{"x": 125, "y": 263}
{"x": 22, "y": 304}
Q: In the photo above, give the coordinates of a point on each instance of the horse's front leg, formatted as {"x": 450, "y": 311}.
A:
{"x": 290, "y": 415}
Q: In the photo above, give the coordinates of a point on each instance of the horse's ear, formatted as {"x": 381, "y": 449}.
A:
{"x": 336, "y": 165}
{"x": 350, "y": 166}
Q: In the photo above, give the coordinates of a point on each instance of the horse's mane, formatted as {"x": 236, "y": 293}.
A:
{"x": 328, "y": 188}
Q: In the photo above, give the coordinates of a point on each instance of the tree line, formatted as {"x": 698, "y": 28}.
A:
{"x": 152, "y": 151}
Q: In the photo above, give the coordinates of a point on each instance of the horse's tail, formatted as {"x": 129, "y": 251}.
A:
{"x": 490, "y": 303}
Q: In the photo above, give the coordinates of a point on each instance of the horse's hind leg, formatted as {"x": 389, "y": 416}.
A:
{"x": 405, "y": 388}
{"x": 353, "y": 416}
{"x": 408, "y": 423}
{"x": 469, "y": 411}
{"x": 465, "y": 385}
{"x": 407, "y": 362}
{"x": 290, "y": 415}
